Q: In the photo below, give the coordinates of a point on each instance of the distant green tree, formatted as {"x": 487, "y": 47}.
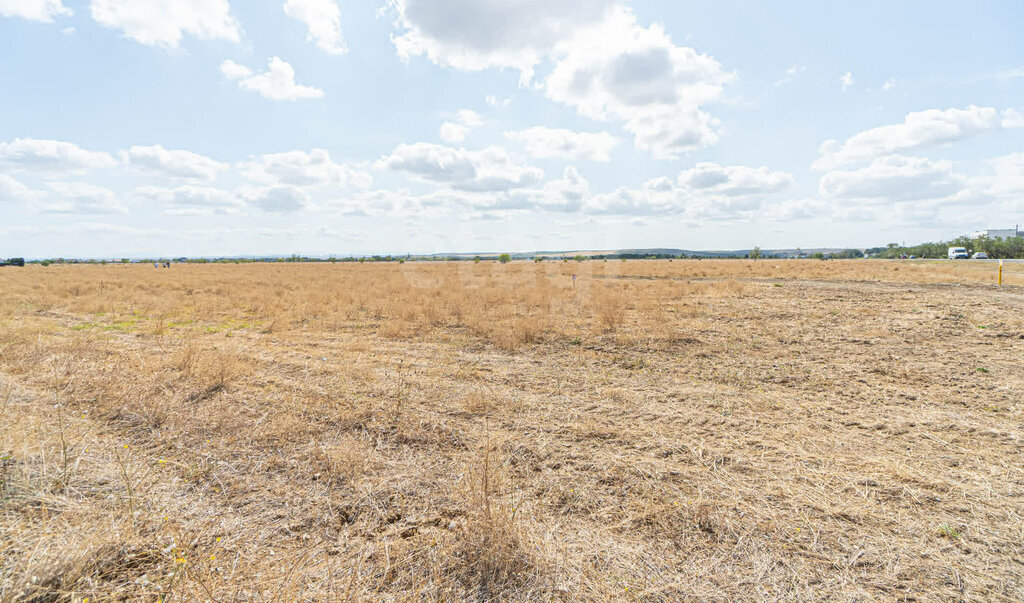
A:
{"x": 847, "y": 254}
{"x": 996, "y": 248}
{"x": 504, "y": 258}
{"x": 755, "y": 253}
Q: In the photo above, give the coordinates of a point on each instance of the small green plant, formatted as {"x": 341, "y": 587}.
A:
{"x": 576, "y": 341}
{"x": 981, "y": 369}
{"x": 504, "y": 258}
{"x": 948, "y": 531}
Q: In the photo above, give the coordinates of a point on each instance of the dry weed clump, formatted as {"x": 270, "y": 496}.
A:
{"x": 67, "y": 520}
{"x": 346, "y": 460}
{"x": 493, "y": 547}
{"x": 459, "y": 431}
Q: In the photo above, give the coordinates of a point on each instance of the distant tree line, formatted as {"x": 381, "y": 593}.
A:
{"x": 996, "y": 248}
{"x": 501, "y": 258}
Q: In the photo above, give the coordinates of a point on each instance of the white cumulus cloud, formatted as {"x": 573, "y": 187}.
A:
{"x": 1013, "y": 118}
{"x": 453, "y": 132}
{"x": 54, "y": 155}
{"x": 733, "y": 180}
{"x": 606, "y": 65}
{"x": 892, "y": 179}
{"x": 301, "y": 168}
{"x": 567, "y": 194}
{"x": 276, "y": 199}
{"x": 919, "y": 129}
{"x": 477, "y": 34}
{"x": 796, "y": 209}
{"x": 498, "y": 103}
{"x": 652, "y": 199}
{"x": 619, "y": 70}
{"x": 323, "y": 19}
{"x": 707, "y": 191}
{"x": 34, "y": 10}
{"x": 277, "y": 83}
{"x": 543, "y": 143}
{"x": 846, "y": 80}
{"x": 80, "y": 198}
{"x": 1007, "y": 178}
{"x": 173, "y": 164}
{"x": 166, "y": 22}
{"x": 489, "y": 170}
{"x": 184, "y": 200}
{"x": 13, "y": 191}
{"x": 456, "y": 129}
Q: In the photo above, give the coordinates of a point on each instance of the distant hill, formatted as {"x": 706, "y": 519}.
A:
{"x": 649, "y": 252}
{"x": 638, "y": 253}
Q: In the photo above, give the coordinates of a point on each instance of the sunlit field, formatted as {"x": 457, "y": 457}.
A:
{"x": 651, "y": 430}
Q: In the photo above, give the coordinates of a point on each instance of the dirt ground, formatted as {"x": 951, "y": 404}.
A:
{"x": 649, "y": 430}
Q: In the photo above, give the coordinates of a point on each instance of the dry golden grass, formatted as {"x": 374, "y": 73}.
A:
{"x": 652, "y": 430}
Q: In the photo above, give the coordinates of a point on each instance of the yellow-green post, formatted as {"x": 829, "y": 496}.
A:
{"x": 1000, "y": 273}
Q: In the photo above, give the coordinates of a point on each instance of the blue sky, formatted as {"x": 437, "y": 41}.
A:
{"x": 207, "y": 127}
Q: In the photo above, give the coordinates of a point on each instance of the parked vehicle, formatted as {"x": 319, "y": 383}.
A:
{"x": 957, "y": 253}
{"x": 981, "y": 255}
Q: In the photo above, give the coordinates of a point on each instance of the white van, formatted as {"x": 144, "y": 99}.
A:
{"x": 957, "y": 253}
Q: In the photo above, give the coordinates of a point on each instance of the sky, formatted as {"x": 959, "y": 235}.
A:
{"x": 137, "y": 128}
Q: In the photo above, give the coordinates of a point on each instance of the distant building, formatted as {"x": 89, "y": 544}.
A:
{"x": 998, "y": 233}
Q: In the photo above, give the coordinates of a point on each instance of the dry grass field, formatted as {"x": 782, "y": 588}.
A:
{"x": 444, "y": 431}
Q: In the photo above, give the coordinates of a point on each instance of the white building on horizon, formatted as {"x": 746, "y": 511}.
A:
{"x": 1000, "y": 233}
